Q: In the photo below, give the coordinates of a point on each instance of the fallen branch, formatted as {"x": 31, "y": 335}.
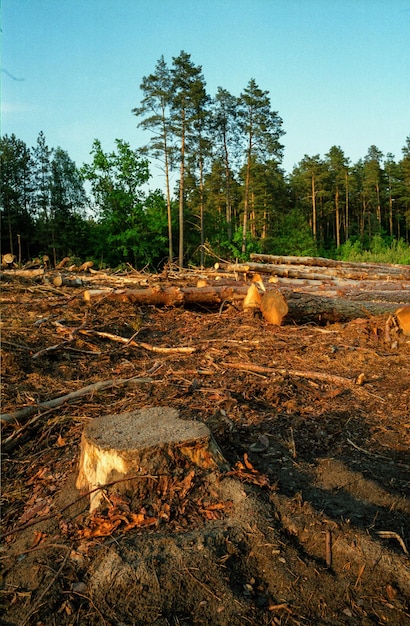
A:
{"x": 39, "y": 599}
{"x": 261, "y": 369}
{"x": 138, "y": 344}
{"x": 376, "y": 455}
{"x": 28, "y": 411}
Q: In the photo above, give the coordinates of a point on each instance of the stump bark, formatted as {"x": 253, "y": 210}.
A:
{"x": 118, "y": 451}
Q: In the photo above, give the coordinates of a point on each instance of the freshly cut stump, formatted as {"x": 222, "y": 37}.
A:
{"x": 145, "y": 443}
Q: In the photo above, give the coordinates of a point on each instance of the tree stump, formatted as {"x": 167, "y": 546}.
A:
{"x": 118, "y": 449}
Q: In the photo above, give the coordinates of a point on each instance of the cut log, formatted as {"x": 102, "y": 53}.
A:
{"x": 7, "y": 259}
{"x": 252, "y": 300}
{"x": 274, "y": 307}
{"x": 303, "y": 307}
{"x": 85, "y": 266}
{"x": 57, "y": 280}
{"x": 129, "y": 447}
{"x": 173, "y": 296}
{"x": 323, "y": 262}
{"x": 403, "y": 318}
{"x": 401, "y": 272}
{"x": 24, "y": 273}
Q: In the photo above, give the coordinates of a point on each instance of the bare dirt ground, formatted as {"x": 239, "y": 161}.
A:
{"x": 311, "y": 525}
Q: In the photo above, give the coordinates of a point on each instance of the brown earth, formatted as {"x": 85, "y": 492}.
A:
{"x": 310, "y": 526}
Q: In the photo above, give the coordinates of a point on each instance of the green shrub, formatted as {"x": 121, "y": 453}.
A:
{"x": 379, "y": 250}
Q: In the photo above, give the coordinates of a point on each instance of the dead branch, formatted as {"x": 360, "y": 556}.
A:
{"x": 261, "y": 369}
{"x": 39, "y": 599}
{"x": 138, "y": 344}
{"x": 28, "y": 411}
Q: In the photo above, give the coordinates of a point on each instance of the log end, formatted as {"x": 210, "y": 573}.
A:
{"x": 403, "y": 318}
{"x": 252, "y": 299}
{"x": 274, "y": 307}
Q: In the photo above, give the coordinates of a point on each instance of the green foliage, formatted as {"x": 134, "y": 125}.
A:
{"x": 117, "y": 179}
{"x": 234, "y": 247}
{"x": 379, "y": 250}
{"x": 15, "y": 191}
{"x": 230, "y": 192}
{"x": 293, "y": 237}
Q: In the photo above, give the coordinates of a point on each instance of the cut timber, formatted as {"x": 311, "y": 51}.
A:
{"x": 86, "y": 266}
{"x": 63, "y": 263}
{"x": 25, "y": 273}
{"x": 323, "y": 262}
{"x": 403, "y": 317}
{"x": 303, "y": 307}
{"x": 130, "y": 447}
{"x": 172, "y": 296}
{"x": 7, "y": 259}
{"x": 364, "y": 272}
{"x": 274, "y": 307}
{"x": 252, "y": 300}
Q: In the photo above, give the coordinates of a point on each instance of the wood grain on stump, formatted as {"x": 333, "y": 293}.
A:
{"x": 142, "y": 443}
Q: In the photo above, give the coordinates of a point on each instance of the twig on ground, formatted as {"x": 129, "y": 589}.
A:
{"x": 45, "y": 518}
{"x": 139, "y": 344}
{"x": 46, "y": 589}
{"x": 374, "y": 454}
{"x": 261, "y": 369}
{"x": 101, "y": 385}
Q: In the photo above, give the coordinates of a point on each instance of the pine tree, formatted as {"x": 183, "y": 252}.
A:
{"x": 227, "y": 140}
{"x": 372, "y": 182}
{"x": 155, "y": 105}
{"x": 188, "y": 96}
{"x": 262, "y": 129}
{"x": 337, "y": 174}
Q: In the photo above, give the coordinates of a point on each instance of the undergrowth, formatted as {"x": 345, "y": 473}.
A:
{"x": 378, "y": 250}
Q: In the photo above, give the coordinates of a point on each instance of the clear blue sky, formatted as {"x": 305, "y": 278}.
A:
{"x": 337, "y": 71}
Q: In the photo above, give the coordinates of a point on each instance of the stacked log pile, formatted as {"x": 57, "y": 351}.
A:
{"x": 328, "y": 290}
{"x": 316, "y": 289}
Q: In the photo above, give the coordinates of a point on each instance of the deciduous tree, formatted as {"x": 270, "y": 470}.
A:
{"x": 116, "y": 180}
{"x": 15, "y": 194}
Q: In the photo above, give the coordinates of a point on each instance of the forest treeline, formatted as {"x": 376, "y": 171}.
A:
{"x": 232, "y": 195}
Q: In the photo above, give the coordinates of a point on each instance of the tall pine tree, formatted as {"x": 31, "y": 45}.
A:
{"x": 262, "y": 129}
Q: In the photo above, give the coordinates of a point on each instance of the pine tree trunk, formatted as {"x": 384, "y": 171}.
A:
{"x": 181, "y": 192}
{"x": 201, "y": 203}
{"x": 246, "y": 199}
{"x": 228, "y": 191}
{"x": 337, "y": 216}
{"x": 168, "y": 191}
{"x": 314, "y": 229}
{"x": 347, "y": 208}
